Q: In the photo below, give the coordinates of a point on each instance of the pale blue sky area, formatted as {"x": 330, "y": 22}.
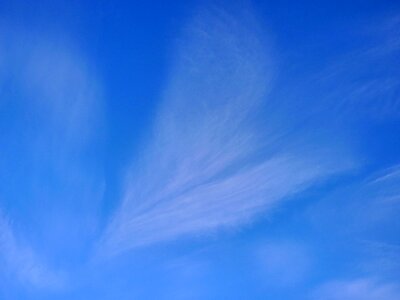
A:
{"x": 200, "y": 150}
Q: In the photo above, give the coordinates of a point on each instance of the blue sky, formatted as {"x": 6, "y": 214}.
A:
{"x": 200, "y": 150}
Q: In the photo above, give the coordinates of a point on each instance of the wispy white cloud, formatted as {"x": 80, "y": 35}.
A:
{"x": 361, "y": 221}
{"x": 51, "y": 183}
{"x": 20, "y": 260}
{"x": 211, "y": 162}
{"x": 357, "y": 289}
{"x": 366, "y": 207}
{"x": 364, "y": 81}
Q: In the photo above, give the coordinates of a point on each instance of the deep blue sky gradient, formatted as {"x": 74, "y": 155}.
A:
{"x": 103, "y": 103}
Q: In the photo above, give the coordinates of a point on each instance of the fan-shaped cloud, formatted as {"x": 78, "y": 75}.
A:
{"x": 202, "y": 168}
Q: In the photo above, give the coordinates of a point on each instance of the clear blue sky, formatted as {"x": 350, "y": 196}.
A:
{"x": 200, "y": 150}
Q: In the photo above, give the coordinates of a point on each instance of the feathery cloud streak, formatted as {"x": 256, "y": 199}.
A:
{"x": 365, "y": 220}
{"x": 203, "y": 169}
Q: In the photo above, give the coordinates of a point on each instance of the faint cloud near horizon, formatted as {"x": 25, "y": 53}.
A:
{"x": 357, "y": 289}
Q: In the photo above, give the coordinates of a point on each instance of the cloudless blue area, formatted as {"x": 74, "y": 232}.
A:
{"x": 111, "y": 127}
